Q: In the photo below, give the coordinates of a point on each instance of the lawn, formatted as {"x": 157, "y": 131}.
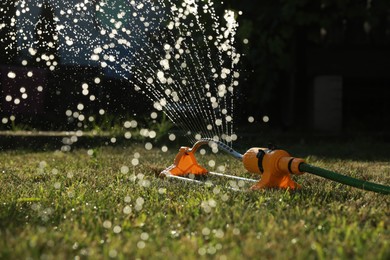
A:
{"x": 107, "y": 203}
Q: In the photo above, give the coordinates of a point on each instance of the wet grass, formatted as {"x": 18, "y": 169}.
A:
{"x": 99, "y": 205}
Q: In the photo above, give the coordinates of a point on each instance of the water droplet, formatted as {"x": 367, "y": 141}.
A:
{"x": 107, "y": 224}
{"x": 211, "y": 163}
{"x": 124, "y": 169}
{"x": 172, "y": 137}
{"x": 127, "y": 210}
{"x": 148, "y": 146}
{"x": 205, "y": 231}
{"x": 144, "y": 236}
{"x": 117, "y": 229}
{"x": 135, "y": 162}
{"x": 11, "y": 75}
{"x": 141, "y": 244}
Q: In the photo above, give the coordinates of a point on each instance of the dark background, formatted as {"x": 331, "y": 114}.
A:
{"x": 312, "y": 66}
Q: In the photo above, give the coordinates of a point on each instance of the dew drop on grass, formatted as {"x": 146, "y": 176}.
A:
{"x": 241, "y": 183}
{"x": 211, "y": 250}
{"x": 221, "y": 168}
{"x": 144, "y": 236}
{"x": 145, "y": 183}
{"x": 172, "y": 137}
{"x": 202, "y": 251}
{"x": 127, "y": 210}
{"x": 141, "y": 244}
{"x": 127, "y": 199}
{"x": 219, "y": 233}
{"x": 112, "y": 253}
{"x": 127, "y": 135}
{"x": 107, "y": 224}
{"x": 212, "y": 203}
{"x": 211, "y": 163}
{"x": 135, "y": 161}
{"x": 206, "y": 207}
{"x": 152, "y": 134}
{"x": 205, "y": 231}
{"x": 225, "y": 197}
{"x": 140, "y": 201}
{"x": 133, "y": 124}
{"x": 127, "y": 124}
{"x": 124, "y": 169}
{"x": 164, "y": 148}
{"x": 68, "y": 112}
{"x": 117, "y": 229}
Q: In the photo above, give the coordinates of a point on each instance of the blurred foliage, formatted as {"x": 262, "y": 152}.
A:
{"x": 276, "y": 30}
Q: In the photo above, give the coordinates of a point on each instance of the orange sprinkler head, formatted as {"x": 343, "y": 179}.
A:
{"x": 275, "y": 165}
{"x": 185, "y": 163}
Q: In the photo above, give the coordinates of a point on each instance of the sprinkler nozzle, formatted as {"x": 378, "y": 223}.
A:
{"x": 185, "y": 163}
{"x": 275, "y": 167}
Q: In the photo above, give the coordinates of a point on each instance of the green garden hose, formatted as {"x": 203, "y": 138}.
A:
{"x": 364, "y": 185}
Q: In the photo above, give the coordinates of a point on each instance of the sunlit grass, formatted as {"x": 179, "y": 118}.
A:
{"x": 100, "y": 203}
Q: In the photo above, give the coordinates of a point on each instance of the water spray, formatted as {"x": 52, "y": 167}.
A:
{"x": 275, "y": 165}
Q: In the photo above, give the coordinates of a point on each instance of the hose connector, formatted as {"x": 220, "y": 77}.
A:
{"x": 276, "y": 166}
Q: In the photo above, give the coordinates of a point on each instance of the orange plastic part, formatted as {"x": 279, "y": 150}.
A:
{"x": 185, "y": 163}
{"x": 277, "y": 165}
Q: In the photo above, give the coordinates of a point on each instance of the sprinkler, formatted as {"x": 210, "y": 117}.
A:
{"x": 275, "y": 165}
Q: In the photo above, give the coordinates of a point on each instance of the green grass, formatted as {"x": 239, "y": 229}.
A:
{"x": 75, "y": 205}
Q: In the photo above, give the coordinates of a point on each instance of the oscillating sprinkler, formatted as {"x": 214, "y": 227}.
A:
{"x": 275, "y": 165}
